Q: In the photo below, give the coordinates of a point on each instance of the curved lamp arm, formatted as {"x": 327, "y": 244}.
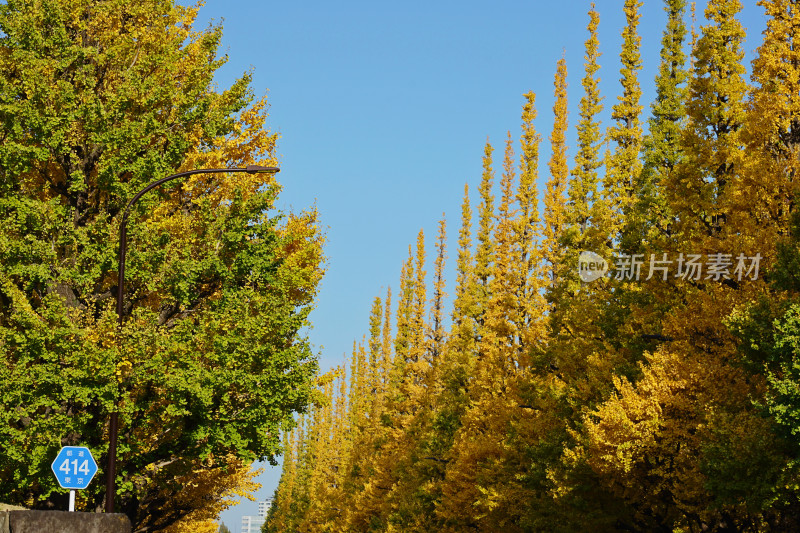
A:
{"x": 123, "y": 247}
{"x": 123, "y": 227}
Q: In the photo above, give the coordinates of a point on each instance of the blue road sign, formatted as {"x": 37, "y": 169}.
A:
{"x": 74, "y": 467}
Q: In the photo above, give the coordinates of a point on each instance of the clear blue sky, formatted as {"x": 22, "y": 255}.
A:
{"x": 384, "y": 108}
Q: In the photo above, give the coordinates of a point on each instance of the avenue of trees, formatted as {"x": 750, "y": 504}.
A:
{"x": 661, "y": 397}
{"x": 98, "y": 98}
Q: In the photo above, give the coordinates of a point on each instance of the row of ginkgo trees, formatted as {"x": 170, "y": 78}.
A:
{"x": 664, "y": 396}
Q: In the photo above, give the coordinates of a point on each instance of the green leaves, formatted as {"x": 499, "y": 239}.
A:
{"x": 98, "y": 99}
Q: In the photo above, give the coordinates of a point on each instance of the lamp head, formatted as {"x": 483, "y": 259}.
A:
{"x": 258, "y": 169}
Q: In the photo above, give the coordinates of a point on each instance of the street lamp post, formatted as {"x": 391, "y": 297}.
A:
{"x": 123, "y": 245}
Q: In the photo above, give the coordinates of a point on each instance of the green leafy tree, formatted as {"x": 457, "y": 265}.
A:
{"x": 661, "y": 147}
{"x": 704, "y": 185}
{"x": 97, "y": 99}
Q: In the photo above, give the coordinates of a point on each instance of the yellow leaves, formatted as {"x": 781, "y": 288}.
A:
{"x": 218, "y": 488}
{"x": 623, "y": 427}
{"x": 329, "y": 377}
{"x": 195, "y": 526}
{"x": 489, "y": 500}
{"x": 249, "y": 144}
{"x": 302, "y": 253}
{"x": 123, "y": 369}
{"x": 648, "y": 437}
{"x": 16, "y": 296}
{"x": 635, "y": 396}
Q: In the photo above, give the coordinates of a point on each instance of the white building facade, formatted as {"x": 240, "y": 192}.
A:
{"x": 252, "y": 524}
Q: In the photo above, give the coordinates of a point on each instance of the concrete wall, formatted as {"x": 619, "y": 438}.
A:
{"x": 62, "y": 522}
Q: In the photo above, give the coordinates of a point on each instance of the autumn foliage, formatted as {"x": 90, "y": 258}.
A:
{"x": 99, "y": 98}
{"x": 663, "y": 396}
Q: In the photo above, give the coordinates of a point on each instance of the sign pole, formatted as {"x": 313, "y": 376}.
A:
{"x": 72, "y": 501}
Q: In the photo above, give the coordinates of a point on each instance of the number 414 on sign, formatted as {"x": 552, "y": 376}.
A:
{"x": 74, "y": 468}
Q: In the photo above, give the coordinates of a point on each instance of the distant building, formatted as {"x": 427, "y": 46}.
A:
{"x": 263, "y": 507}
{"x": 252, "y": 524}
